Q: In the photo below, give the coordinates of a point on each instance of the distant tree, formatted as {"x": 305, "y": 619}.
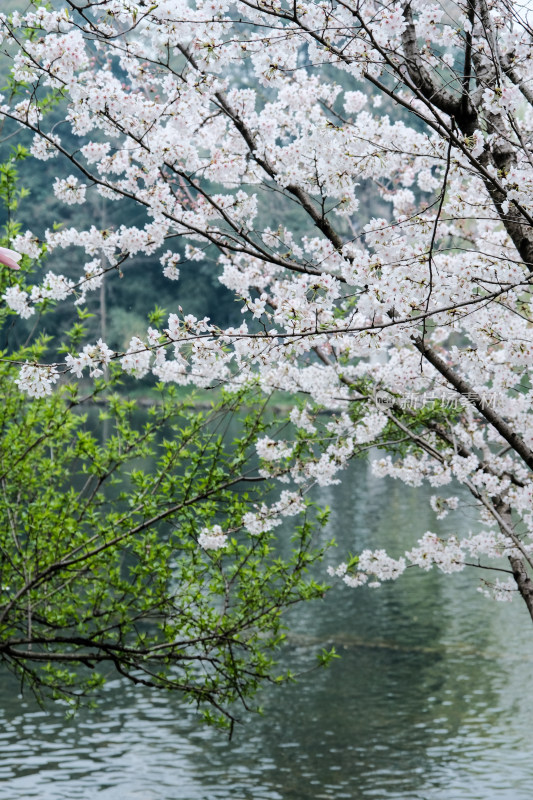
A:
{"x": 412, "y": 328}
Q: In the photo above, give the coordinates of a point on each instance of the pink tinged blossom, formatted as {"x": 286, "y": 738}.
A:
{"x": 9, "y": 258}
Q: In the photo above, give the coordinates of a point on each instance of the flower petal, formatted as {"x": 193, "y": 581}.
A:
{"x": 9, "y": 258}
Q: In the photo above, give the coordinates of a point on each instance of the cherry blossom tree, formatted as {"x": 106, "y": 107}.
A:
{"x": 361, "y": 174}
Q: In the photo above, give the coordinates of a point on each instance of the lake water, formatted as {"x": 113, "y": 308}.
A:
{"x": 431, "y": 699}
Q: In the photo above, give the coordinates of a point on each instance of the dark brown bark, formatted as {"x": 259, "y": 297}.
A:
{"x": 523, "y": 582}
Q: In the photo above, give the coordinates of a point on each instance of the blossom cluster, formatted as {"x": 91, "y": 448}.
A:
{"x": 212, "y": 538}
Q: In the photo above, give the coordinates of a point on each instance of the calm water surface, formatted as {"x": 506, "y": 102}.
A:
{"x": 430, "y": 701}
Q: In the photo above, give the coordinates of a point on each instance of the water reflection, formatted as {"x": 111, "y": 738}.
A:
{"x": 428, "y": 702}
